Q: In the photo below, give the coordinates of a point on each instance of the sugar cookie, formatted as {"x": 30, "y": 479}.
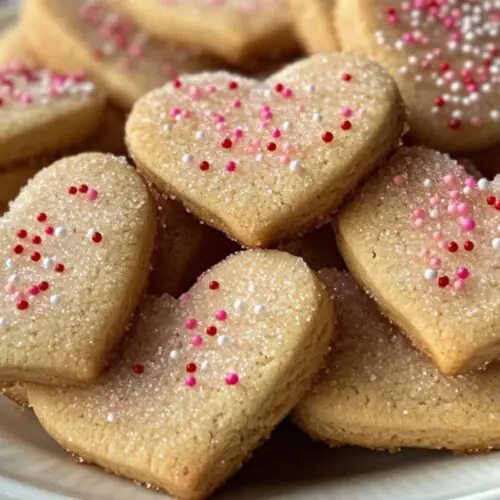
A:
{"x": 66, "y": 108}
{"x": 265, "y": 161}
{"x": 71, "y": 34}
{"x": 423, "y": 236}
{"x": 201, "y": 381}
{"x": 233, "y": 30}
{"x": 313, "y": 21}
{"x": 75, "y": 248}
{"x": 444, "y": 57}
{"x": 380, "y": 392}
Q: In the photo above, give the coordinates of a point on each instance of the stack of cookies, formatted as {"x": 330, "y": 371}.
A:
{"x": 308, "y": 237}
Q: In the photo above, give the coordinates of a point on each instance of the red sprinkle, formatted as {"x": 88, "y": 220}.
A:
{"x": 443, "y": 282}
{"x": 491, "y": 200}
{"x": 279, "y": 87}
{"x": 83, "y": 188}
{"x": 327, "y": 137}
{"x": 452, "y": 246}
{"x": 191, "y": 367}
{"x": 138, "y": 369}
{"x": 227, "y": 143}
{"x": 36, "y": 240}
{"x": 346, "y": 77}
{"x": 49, "y": 230}
{"x": 176, "y": 84}
{"x": 18, "y": 249}
{"x": 22, "y": 233}
{"x": 41, "y": 217}
{"x": 212, "y": 331}
{"x": 214, "y": 285}
{"x": 204, "y": 165}
{"x": 36, "y": 256}
{"x": 72, "y": 190}
{"x": 271, "y": 146}
{"x": 233, "y": 85}
{"x": 455, "y": 124}
{"x": 97, "y": 237}
{"x": 346, "y": 125}
{"x": 468, "y": 246}
{"x": 59, "y": 268}
{"x": 44, "y": 286}
{"x": 22, "y": 305}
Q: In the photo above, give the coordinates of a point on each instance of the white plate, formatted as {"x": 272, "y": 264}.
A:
{"x": 290, "y": 466}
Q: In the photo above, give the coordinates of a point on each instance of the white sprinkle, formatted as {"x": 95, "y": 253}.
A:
{"x": 467, "y": 190}
{"x": 251, "y": 287}
{"x": 430, "y": 274}
{"x": 13, "y": 278}
{"x": 174, "y": 355}
{"x": 187, "y": 158}
{"x": 311, "y": 88}
{"x": 111, "y": 417}
{"x": 60, "y": 232}
{"x": 90, "y": 233}
{"x": 239, "y": 304}
{"x": 317, "y": 118}
{"x": 3, "y": 322}
{"x": 200, "y": 135}
{"x": 204, "y": 365}
{"x": 260, "y": 309}
{"x": 55, "y": 299}
{"x": 427, "y": 183}
{"x": 259, "y": 157}
{"x": 47, "y": 263}
{"x": 9, "y": 263}
{"x": 483, "y": 184}
{"x": 167, "y": 127}
{"x": 295, "y": 165}
{"x": 496, "y": 243}
{"x": 222, "y": 340}
{"x": 286, "y": 126}
{"x": 495, "y": 115}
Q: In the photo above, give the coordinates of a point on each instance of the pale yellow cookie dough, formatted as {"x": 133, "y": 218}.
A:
{"x": 75, "y": 249}
{"x": 429, "y": 252}
{"x": 447, "y": 74}
{"x": 313, "y": 21}
{"x": 262, "y": 164}
{"x": 143, "y": 422}
{"x": 379, "y": 392}
{"x": 71, "y": 34}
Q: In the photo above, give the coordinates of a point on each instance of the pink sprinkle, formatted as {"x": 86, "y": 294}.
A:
{"x": 232, "y": 379}
{"x": 221, "y": 315}
{"x": 238, "y": 133}
{"x": 190, "y": 381}
{"x": 195, "y": 92}
{"x": 10, "y": 288}
{"x": 231, "y": 166}
{"x": 436, "y": 262}
{"x": 437, "y": 235}
{"x": 449, "y": 179}
{"x": 175, "y": 111}
{"x": 345, "y": 111}
{"x": 399, "y": 180}
{"x": 197, "y": 340}
{"x": 92, "y": 194}
{"x": 455, "y": 195}
{"x": 441, "y": 245}
{"x": 276, "y": 133}
{"x": 435, "y": 200}
{"x": 34, "y": 290}
{"x": 470, "y": 182}
{"x": 237, "y": 104}
{"x": 463, "y": 208}
{"x": 191, "y": 324}
{"x": 459, "y": 285}
{"x": 425, "y": 253}
{"x": 462, "y": 273}
{"x": 418, "y": 213}
{"x": 467, "y": 224}
{"x": 287, "y": 93}
{"x": 419, "y": 223}
{"x": 452, "y": 208}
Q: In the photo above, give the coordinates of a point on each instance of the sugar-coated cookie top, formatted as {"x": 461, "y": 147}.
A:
{"x": 197, "y": 375}
{"x": 117, "y": 39}
{"x": 451, "y": 50}
{"x": 70, "y": 250}
{"x": 377, "y": 378}
{"x": 278, "y": 139}
{"x": 22, "y": 86}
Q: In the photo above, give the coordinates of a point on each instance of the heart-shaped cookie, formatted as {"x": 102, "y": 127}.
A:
{"x": 233, "y": 30}
{"x": 313, "y": 22}
{"x": 201, "y": 382}
{"x": 380, "y": 392}
{"x": 263, "y": 161}
{"x": 72, "y": 34}
{"x": 75, "y": 249}
{"x": 66, "y": 108}
{"x": 423, "y": 236}
{"x": 445, "y": 58}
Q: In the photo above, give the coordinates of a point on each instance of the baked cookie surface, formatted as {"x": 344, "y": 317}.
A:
{"x": 445, "y": 59}
{"x": 75, "y": 249}
{"x": 379, "y": 392}
{"x": 127, "y": 61}
{"x": 201, "y": 381}
{"x": 423, "y": 236}
{"x": 265, "y": 161}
